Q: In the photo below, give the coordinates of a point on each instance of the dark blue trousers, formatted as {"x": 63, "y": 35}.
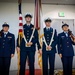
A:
{"x": 45, "y": 57}
{"x": 23, "y": 57}
{"x": 67, "y": 65}
{"x": 4, "y": 65}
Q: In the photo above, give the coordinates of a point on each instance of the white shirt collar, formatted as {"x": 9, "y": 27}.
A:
{"x": 6, "y": 33}
{"x": 48, "y": 27}
{"x": 65, "y": 32}
{"x": 28, "y": 24}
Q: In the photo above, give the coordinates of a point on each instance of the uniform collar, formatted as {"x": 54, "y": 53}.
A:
{"x": 48, "y": 27}
{"x": 6, "y": 33}
{"x": 28, "y": 24}
{"x": 65, "y": 32}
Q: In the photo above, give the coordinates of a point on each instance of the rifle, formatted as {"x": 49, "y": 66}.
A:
{"x": 71, "y": 34}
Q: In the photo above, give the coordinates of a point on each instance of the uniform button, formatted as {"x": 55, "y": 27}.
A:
{"x": 3, "y": 40}
{"x": 67, "y": 42}
{"x": 27, "y": 36}
{"x": 27, "y": 31}
{"x": 47, "y": 35}
{"x": 27, "y": 39}
{"x": 3, "y": 46}
{"x": 48, "y": 40}
{"x": 67, "y": 46}
{"x": 3, "y": 43}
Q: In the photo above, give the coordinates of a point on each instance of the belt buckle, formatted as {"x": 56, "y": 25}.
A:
{"x": 27, "y": 45}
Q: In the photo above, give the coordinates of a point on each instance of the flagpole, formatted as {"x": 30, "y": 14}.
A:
{"x": 40, "y": 23}
{"x": 38, "y": 20}
{"x": 20, "y": 33}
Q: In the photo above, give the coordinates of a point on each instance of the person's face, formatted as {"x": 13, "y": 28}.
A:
{"x": 28, "y": 19}
{"x": 5, "y": 29}
{"x": 48, "y": 24}
{"x": 65, "y": 28}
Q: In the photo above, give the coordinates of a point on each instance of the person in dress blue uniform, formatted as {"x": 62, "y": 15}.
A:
{"x": 7, "y": 49}
{"x": 49, "y": 47}
{"x": 27, "y": 48}
{"x": 65, "y": 49}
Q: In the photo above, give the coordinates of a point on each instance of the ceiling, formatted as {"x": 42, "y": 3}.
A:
{"x": 67, "y": 2}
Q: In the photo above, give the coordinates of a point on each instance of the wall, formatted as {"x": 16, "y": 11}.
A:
{"x": 9, "y": 14}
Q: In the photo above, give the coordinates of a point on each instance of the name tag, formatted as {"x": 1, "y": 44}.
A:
{"x": 62, "y": 36}
{"x": 9, "y": 37}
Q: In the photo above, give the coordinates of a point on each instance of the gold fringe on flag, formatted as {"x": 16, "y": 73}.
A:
{"x": 38, "y": 16}
{"x": 18, "y": 53}
{"x": 20, "y": 34}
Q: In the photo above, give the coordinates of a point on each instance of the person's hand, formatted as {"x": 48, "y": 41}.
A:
{"x": 12, "y": 55}
{"x": 74, "y": 40}
{"x": 40, "y": 51}
{"x": 18, "y": 49}
{"x": 60, "y": 55}
{"x": 49, "y": 47}
{"x": 29, "y": 43}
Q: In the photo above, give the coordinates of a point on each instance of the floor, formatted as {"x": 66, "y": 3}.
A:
{"x": 37, "y": 72}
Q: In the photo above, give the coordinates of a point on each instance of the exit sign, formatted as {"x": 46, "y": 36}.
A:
{"x": 61, "y": 14}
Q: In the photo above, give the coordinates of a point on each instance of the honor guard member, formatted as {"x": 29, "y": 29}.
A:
{"x": 28, "y": 46}
{"x": 49, "y": 47}
{"x": 65, "y": 49}
{"x": 7, "y": 49}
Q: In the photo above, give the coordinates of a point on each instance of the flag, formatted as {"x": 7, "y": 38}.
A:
{"x": 20, "y": 32}
{"x": 37, "y": 15}
{"x": 38, "y": 25}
